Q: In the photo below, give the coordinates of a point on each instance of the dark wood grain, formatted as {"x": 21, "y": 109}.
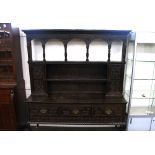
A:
{"x": 11, "y": 78}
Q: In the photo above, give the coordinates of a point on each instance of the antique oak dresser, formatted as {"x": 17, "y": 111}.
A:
{"x": 77, "y": 94}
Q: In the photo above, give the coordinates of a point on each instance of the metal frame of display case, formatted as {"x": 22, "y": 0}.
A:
{"x": 139, "y": 112}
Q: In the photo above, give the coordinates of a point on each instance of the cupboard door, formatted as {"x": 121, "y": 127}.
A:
{"x": 139, "y": 123}
{"x": 6, "y": 96}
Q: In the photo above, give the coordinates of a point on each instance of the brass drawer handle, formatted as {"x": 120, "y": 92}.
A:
{"x": 75, "y": 111}
{"x": 43, "y": 111}
{"x": 12, "y": 93}
{"x": 108, "y": 111}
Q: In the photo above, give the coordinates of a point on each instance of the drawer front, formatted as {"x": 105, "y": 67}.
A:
{"x": 5, "y": 96}
{"x": 109, "y": 113}
{"x": 59, "y": 112}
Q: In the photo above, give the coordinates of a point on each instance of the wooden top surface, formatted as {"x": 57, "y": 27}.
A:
{"x": 75, "y": 99}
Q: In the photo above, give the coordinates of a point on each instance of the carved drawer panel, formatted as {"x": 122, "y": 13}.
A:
{"x": 108, "y": 109}
{"x": 108, "y": 113}
{"x": 59, "y": 112}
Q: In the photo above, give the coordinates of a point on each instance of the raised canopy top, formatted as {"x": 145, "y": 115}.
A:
{"x": 77, "y": 33}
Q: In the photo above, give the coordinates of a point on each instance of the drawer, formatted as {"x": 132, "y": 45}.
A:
{"x": 59, "y": 112}
{"x": 5, "y": 96}
{"x": 108, "y": 109}
{"x": 109, "y": 113}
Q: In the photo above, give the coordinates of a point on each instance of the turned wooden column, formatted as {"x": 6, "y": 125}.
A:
{"x": 109, "y": 50}
{"x": 65, "y": 46}
{"x": 87, "y": 52}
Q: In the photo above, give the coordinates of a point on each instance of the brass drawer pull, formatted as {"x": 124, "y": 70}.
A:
{"x": 43, "y": 111}
{"x": 75, "y": 111}
{"x": 12, "y": 93}
{"x": 108, "y": 111}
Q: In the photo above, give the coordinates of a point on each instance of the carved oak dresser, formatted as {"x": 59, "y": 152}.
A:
{"x": 77, "y": 93}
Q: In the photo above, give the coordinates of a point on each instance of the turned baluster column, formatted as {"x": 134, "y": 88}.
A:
{"x": 65, "y": 46}
{"x": 87, "y": 53}
{"x": 87, "y": 49}
{"x": 43, "y": 46}
{"x": 109, "y": 50}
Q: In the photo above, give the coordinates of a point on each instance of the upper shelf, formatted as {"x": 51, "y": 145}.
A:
{"x": 77, "y": 62}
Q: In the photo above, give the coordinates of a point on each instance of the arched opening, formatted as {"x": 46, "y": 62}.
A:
{"x": 98, "y": 50}
{"x": 54, "y": 50}
{"x": 76, "y": 50}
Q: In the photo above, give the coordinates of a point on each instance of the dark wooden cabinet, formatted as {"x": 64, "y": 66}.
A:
{"x": 77, "y": 92}
{"x": 10, "y": 76}
{"x": 7, "y": 78}
{"x": 7, "y": 107}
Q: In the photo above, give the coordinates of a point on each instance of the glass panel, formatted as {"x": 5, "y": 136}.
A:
{"x": 98, "y": 51}
{"x": 142, "y": 67}
{"x": 139, "y": 110}
{"x": 129, "y": 68}
{"x": 127, "y": 85}
{"x": 37, "y": 50}
{"x": 116, "y": 51}
{"x": 54, "y": 50}
{"x": 153, "y": 105}
{"x": 145, "y": 52}
{"x": 141, "y": 102}
{"x": 131, "y": 48}
{"x": 143, "y": 89}
{"x": 76, "y": 50}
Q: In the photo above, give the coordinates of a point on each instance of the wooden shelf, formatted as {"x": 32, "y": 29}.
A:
{"x": 76, "y": 80}
{"x": 75, "y": 62}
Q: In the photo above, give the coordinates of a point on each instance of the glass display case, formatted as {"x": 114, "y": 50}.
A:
{"x": 142, "y": 90}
